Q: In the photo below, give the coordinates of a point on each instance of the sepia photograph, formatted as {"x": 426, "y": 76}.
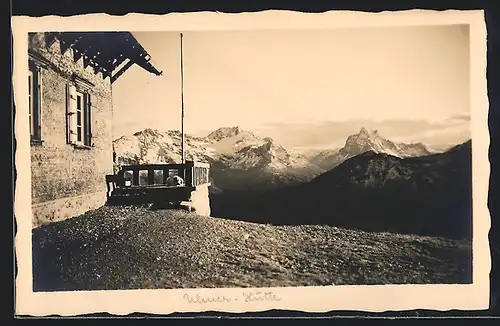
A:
{"x": 257, "y": 158}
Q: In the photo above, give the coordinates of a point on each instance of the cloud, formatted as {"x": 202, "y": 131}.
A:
{"x": 330, "y": 134}
{"x": 460, "y": 117}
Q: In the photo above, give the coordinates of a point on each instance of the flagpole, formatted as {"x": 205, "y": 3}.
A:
{"x": 182, "y": 107}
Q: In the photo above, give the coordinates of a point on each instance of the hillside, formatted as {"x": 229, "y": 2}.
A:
{"x": 428, "y": 195}
{"x": 237, "y": 157}
{"x": 367, "y": 141}
{"x": 139, "y": 248}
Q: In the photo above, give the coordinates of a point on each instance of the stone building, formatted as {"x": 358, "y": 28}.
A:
{"x": 71, "y": 115}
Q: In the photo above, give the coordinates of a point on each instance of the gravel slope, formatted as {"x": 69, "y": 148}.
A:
{"x": 136, "y": 247}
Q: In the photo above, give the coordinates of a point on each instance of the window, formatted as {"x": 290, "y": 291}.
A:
{"x": 158, "y": 177}
{"x": 143, "y": 177}
{"x": 34, "y": 103}
{"x": 128, "y": 176}
{"x": 79, "y": 116}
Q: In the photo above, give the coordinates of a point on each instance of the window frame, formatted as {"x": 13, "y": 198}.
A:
{"x": 83, "y": 102}
{"x": 35, "y": 95}
{"x": 82, "y": 116}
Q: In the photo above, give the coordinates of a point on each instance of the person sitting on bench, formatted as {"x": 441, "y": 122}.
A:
{"x": 175, "y": 181}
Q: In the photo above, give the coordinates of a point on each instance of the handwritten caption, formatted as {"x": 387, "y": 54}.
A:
{"x": 244, "y": 297}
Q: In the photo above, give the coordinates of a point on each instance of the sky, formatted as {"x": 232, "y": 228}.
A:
{"x": 437, "y": 135}
{"x": 268, "y": 79}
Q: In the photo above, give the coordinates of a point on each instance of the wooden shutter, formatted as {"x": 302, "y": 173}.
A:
{"x": 91, "y": 120}
{"x": 71, "y": 114}
{"x": 86, "y": 119}
{"x": 38, "y": 125}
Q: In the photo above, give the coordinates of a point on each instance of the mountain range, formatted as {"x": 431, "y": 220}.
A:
{"x": 238, "y": 158}
{"x": 241, "y": 160}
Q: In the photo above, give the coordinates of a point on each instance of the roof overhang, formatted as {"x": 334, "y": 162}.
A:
{"x": 105, "y": 51}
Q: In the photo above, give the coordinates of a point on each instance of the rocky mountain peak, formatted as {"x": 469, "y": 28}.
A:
{"x": 368, "y": 140}
{"x": 148, "y": 132}
{"x": 363, "y": 138}
{"x": 224, "y": 132}
{"x": 366, "y": 133}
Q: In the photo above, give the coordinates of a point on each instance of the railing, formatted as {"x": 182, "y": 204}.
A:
{"x": 147, "y": 175}
{"x": 149, "y": 183}
{"x": 200, "y": 173}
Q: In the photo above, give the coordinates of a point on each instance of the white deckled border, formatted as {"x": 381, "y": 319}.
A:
{"x": 311, "y": 299}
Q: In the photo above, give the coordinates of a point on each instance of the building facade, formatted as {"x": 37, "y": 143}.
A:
{"x": 71, "y": 114}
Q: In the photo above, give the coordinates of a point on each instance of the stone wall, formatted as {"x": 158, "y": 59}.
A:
{"x": 67, "y": 207}
{"x": 65, "y": 180}
{"x": 200, "y": 200}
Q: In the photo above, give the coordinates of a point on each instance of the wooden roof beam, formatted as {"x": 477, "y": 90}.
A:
{"x": 121, "y": 71}
{"x": 105, "y": 52}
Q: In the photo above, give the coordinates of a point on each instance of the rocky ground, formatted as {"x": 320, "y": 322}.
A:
{"x": 139, "y": 248}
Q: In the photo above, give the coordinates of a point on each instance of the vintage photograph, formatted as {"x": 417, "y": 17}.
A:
{"x": 250, "y": 158}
